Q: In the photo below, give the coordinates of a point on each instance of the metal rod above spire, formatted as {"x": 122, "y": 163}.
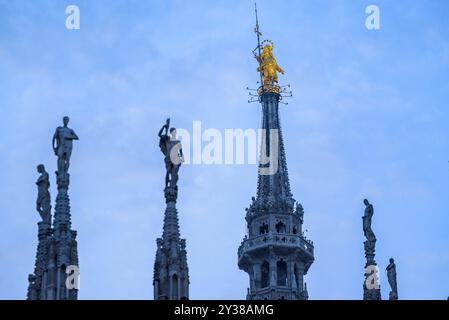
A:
{"x": 258, "y": 33}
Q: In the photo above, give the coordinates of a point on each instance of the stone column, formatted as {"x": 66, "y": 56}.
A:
{"x": 156, "y": 290}
{"x": 44, "y": 237}
{"x": 43, "y": 295}
{"x": 273, "y": 271}
{"x": 58, "y": 284}
{"x": 179, "y": 288}
{"x": 170, "y": 286}
{"x": 257, "y": 276}
{"x": 62, "y": 209}
{"x": 51, "y": 275}
{"x": 291, "y": 275}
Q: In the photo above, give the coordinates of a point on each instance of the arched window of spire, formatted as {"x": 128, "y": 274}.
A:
{"x": 63, "y": 292}
{"x": 265, "y": 270}
{"x": 263, "y": 228}
{"x": 174, "y": 290}
{"x": 281, "y": 267}
{"x": 280, "y": 227}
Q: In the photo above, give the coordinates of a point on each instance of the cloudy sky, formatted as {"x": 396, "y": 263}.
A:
{"x": 369, "y": 118}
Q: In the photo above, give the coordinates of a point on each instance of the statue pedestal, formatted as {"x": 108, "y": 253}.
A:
{"x": 372, "y": 294}
{"x": 171, "y": 194}
{"x": 371, "y": 273}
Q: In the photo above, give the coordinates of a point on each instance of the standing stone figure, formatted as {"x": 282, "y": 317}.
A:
{"x": 391, "y": 274}
{"x": 172, "y": 150}
{"x": 62, "y": 146}
{"x": 43, "y": 201}
{"x": 367, "y": 217}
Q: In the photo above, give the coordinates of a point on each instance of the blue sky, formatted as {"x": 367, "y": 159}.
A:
{"x": 369, "y": 118}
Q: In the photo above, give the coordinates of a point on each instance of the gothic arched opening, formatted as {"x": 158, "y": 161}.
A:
{"x": 62, "y": 290}
{"x": 280, "y": 227}
{"x": 174, "y": 290}
{"x": 263, "y": 228}
{"x": 265, "y": 274}
{"x": 281, "y": 267}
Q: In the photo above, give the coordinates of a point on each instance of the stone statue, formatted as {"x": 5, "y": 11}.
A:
{"x": 268, "y": 65}
{"x": 43, "y": 201}
{"x": 62, "y": 146}
{"x": 299, "y": 210}
{"x": 367, "y": 217}
{"x": 172, "y": 150}
{"x": 391, "y": 274}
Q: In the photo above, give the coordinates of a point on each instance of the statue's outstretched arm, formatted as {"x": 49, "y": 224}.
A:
{"x": 165, "y": 126}
{"x": 160, "y": 131}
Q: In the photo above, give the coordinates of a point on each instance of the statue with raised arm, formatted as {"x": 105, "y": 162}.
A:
{"x": 367, "y": 217}
{"x": 43, "y": 201}
{"x": 62, "y": 146}
{"x": 172, "y": 150}
{"x": 391, "y": 275}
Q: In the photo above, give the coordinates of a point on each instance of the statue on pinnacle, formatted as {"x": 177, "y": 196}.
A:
{"x": 391, "y": 275}
{"x": 268, "y": 65}
{"x": 172, "y": 150}
{"x": 43, "y": 201}
{"x": 367, "y": 218}
{"x": 62, "y": 146}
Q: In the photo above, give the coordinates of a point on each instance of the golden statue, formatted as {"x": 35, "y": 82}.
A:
{"x": 269, "y": 68}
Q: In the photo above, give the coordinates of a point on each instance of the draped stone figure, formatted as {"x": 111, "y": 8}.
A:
{"x": 367, "y": 217}
{"x": 391, "y": 275}
{"x": 43, "y": 201}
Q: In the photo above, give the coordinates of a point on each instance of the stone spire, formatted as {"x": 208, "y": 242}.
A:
{"x": 36, "y": 282}
{"x": 57, "y": 252}
{"x": 275, "y": 185}
{"x": 275, "y": 253}
{"x": 171, "y": 273}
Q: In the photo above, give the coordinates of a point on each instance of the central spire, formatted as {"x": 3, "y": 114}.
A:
{"x": 272, "y": 154}
{"x": 275, "y": 253}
